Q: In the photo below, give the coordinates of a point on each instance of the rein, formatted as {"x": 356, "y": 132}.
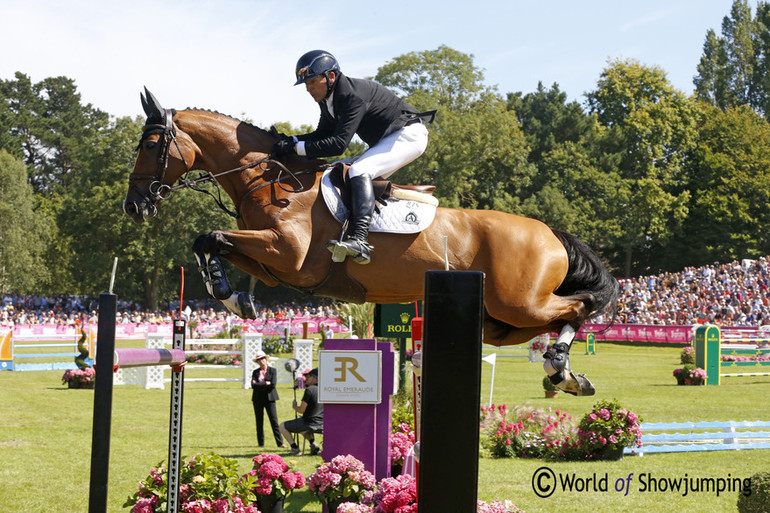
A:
{"x": 161, "y": 191}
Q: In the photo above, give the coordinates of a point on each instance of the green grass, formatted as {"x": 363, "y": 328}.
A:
{"x": 45, "y": 434}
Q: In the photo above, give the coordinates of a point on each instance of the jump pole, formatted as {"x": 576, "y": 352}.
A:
{"x": 107, "y": 357}
{"x": 100, "y": 437}
{"x": 451, "y": 392}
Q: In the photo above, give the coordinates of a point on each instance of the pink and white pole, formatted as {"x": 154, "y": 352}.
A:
{"x": 137, "y": 357}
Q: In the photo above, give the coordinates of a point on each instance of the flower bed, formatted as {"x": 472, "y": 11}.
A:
{"x": 207, "y": 483}
{"x": 528, "y": 432}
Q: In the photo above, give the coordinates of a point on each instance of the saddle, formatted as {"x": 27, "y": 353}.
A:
{"x": 383, "y": 189}
{"x": 398, "y": 209}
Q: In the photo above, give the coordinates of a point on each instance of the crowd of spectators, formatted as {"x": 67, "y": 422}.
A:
{"x": 734, "y": 294}
{"x": 37, "y": 309}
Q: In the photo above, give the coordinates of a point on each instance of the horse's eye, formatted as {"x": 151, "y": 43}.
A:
{"x": 149, "y": 145}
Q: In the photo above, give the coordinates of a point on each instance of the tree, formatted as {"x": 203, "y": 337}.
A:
{"x": 23, "y": 231}
{"x": 727, "y": 174}
{"x": 547, "y": 120}
{"x": 476, "y": 154}
{"x": 735, "y": 67}
{"x": 149, "y": 255}
{"x": 651, "y": 126}
{"x": 47, "y": 124}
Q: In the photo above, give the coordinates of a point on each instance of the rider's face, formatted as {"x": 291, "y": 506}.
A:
{"x": 317, "y": 87}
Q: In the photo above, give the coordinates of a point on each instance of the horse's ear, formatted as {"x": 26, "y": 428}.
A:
{"x": 151, "y": 105}
{"x": 145, "y": 107}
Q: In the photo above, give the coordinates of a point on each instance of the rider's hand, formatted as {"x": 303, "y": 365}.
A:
{"x": 283, "y": 146}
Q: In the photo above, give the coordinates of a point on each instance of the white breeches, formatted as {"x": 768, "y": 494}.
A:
{"x": 392, "y": 152}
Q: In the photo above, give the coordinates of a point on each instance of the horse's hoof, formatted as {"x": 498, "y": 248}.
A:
{"x": 246, "y": 305}
{"x": 574, "y": 384}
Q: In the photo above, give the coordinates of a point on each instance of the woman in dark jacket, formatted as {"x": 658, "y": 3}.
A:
{"x": 263, "y": 397}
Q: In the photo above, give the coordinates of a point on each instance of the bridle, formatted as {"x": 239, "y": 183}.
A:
{"x": 158, "y": 190}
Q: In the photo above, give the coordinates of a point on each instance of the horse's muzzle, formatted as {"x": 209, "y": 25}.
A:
{"x": 139, "y": 211}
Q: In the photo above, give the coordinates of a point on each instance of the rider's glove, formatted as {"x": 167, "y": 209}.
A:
{"x": 284, "y": 146}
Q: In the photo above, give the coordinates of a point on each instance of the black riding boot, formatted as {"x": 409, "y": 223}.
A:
{"x": 355, "y": 243}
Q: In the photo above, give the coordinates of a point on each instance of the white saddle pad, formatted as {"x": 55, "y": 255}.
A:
{"x": 396, "y": 216}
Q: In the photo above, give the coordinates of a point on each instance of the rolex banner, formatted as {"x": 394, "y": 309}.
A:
{"x": 395, "y": 320}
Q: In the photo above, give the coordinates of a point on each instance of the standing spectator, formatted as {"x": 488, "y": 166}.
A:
{"x": 263, "y": 397}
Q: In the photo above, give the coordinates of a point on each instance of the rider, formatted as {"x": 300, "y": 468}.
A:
{"x": 393, "y": 129}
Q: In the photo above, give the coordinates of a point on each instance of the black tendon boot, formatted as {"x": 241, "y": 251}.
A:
{"x": 214, "y": 276}
{"x": 355, "y": 243}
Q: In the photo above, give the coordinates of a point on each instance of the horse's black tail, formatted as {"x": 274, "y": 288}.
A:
{"x": 588, "y": 275}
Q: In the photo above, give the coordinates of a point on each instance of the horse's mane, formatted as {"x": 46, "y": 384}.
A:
{"x": 255, "y": 127}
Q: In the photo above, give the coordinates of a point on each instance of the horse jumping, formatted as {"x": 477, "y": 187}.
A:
{"x": 538, "y": 280}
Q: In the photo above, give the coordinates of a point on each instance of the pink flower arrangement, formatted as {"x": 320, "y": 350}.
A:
{"x": 79, "y": 376}
{"x": 690, "y": 375}
{"x": 343, "y": 478}
{"x": 273, "y": 476}
{"x": 754, "y": 358}
{"x": 401, "y": 443}
{"x": 394, "y": 495}
{"x": 208, "y": 484}
{"x": 497, "y": 507}
{"x": 353, "y": 507}
{"x": 608, "y": 427}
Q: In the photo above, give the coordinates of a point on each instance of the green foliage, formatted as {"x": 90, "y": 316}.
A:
{"x": 204, "y": 476}
{"x": 687, "y": 356}
{"x": 733, "y": 69}
{"x": 278, "y": 344}
{"x": 757, "y": 498}
{"x": 652, "y": 125}
{"x": 548, "y": 385}
{"x": 362, "y": 317}
{"x": 730, "y": 186}
{"x": 24, "y": 231}
{"x": 403, "y": 409}
{"x": 477, "y": 155}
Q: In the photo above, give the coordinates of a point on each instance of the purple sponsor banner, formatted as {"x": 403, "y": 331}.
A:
{"x": 640, "y": 333}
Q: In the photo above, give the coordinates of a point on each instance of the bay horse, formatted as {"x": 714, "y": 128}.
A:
{"x": 538, "y": 280}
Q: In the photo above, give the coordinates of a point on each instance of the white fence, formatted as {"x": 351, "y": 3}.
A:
{"x": 154, "y": 376}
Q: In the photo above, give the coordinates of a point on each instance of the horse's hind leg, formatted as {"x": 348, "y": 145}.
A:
{"x": 556, "y": 313}
{"x": 558, "y": 368}
{"x": 207, "y": 249}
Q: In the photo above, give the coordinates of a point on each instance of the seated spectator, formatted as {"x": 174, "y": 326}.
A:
{"x": 312, "y": 417}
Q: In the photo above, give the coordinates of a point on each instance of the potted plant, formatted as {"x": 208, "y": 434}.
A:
{"x": 79, "y": 378}
{"x": 343, "y": 479}
{"x": 690, "y": 375}
{"x": 609, "y": 428}
{"x": 274, "y": 481}
{"x": 754, "y": 496}
{"x": 551, "y": 390}
{"x": 687, "y": 355}
{"x": 207, "y": 483}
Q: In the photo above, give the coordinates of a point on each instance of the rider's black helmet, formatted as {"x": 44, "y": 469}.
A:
{"x": 314, "y": 63}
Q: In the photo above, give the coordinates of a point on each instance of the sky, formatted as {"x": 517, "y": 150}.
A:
{"x": 238, "y": 56}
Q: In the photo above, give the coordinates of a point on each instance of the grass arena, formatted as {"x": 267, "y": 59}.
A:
{"x": 46, "y": 431}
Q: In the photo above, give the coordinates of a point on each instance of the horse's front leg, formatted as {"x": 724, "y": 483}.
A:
{"x": 208, "y": 249}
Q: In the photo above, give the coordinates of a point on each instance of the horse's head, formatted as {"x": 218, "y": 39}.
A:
{"x": 154, "y": 172}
